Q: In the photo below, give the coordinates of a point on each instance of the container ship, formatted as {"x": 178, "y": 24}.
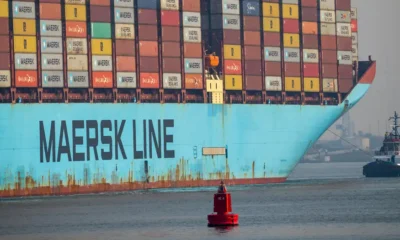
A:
{"x": 100, "y": 95}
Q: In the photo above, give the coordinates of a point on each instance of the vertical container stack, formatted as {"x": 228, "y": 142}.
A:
{"x": 76, "y": 44}
{"x": 344, "y": 45}
{"x": 51, "y": 44}
{"x": 101, "y": 44}
{"x": 125, "y": 46}
{"x": 329, "y": 68}
{"x": 192, "y": 47}
{"x": 310, "y": 46}
{"x": 252, "y": 47}
{"x": 25, "y": 45}
{"x": 272, "y": 45}
{"x": 149, "y": 67}
{"x": 171, "y": 43}
{"x": 354, "y": 36}
{"x": 5, "y": 51}
{"x": 226, "y": 37}
{"x": 291, "y": 43}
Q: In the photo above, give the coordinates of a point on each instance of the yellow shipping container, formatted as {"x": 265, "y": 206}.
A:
{"x": 214, "y": 85}
{"x": 233, "y": 82}
{"x": 311, "y": 85}
{"x": 292, "y": 84}
{"x": 272, "y": 24}
{"x": 25, "y": 27}
{"x": 290, "y": 11}
{"x": 3, "y": 8}
{"x": 271, "y": 9}
{"x": 291, "y": 40}
{"x": 233, "y": 52}
{"x": 75, "y": 12}
{"x": 24, "y": 44}
{"x": 101, "y": 47}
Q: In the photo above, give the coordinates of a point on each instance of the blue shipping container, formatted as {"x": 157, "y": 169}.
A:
{"x": 251, "y": 8}
{"x": 147, "y": 4}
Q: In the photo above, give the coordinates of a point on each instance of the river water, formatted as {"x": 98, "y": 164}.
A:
{"x": 319, "y": 201}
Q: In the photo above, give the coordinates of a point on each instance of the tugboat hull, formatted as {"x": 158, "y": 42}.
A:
{"x": 381, "y": 169}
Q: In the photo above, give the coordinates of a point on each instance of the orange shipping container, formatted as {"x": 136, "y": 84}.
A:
{"x": 102, "y": 79}
{"x": 26, "y": 79}
{"x": 310, "y": 28}
{"x": 233, "y": 67}
{"x": 50, "y": 11}
{"x": 126, "y": 64}
{"x": 148, "y": 48}
{"x": 149, "y": 80}
{"x": 76, "y": 29}
{"x": 354, "y": 25}
{"x": 194, "y": 81}
{"x": 100, "y": 2}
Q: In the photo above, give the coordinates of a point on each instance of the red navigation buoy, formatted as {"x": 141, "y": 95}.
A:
{"x": 223, "y": 215}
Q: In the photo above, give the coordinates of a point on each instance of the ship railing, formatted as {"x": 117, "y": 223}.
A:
{"x": 387, "y": 153}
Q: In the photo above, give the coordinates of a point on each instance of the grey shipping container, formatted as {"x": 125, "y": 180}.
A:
{"x": 23, "y": 9}
{"x": 126, "y": 80}
{"x": 191, "y": 19}
{"x": 78, "y": 79}
{"x": 50, "y": 28}
{"x": 192, "y": 35}
{"x": 76, "y": 46}
{"x": 124, "y": 3}
{"x": 310, "y": 55}
{"x": 292, "y": 55}
{"x": 193, "y": 65}
{"x": 52, "y": 79}
{"x": 225, "y": 22}
{"x": 272, "y": 54}
{"x": 5, "y": 78}
{"x": 172, "y": 80}
{"x": 124, "y": 15}
{"x": 102, "y": 63}
{"x": 345, "y": 57}
{"x": 52, "y": 62}
{"x": 51, "y": 45}
{"x": 25, "y": 61}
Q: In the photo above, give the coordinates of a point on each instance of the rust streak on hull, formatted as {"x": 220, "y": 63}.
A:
{"x": 107, "y": 187}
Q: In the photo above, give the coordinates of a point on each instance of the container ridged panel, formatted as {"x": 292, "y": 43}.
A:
{"x": 354, "y": 37}
{"x": 25, "y": 44}
{"x": 5, "y": 51}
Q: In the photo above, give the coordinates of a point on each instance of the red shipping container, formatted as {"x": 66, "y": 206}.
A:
{"x": 26, "y": 79}
{"x": 329, "y": 56}
{"x": 226, "y": 36}
{"x": 292, "y": 69}
{"x": 171, "y": 34}
{"x": 102, "y": 79}
{"x": 5, "y": 63}
{"x": 329, "y": 70}
{"x": 273, "y": 69}
{"x": 4, "y": 44}
{"x": 170, "y": 18}
{"x": 309, "y": 3}
{"x": 148, "y": 48}
{"x": 126, "y": 64}
{"x": 345, "y": 85}
{"x": 310, "y": 41}
{"x": 354, "y": 25}
{"x": 172, "y": 65}
{"x": 191, "y": 5}
{"x": 253, "y": 67}
{"x": 100, "y": 14}
{"x": 194, "y": 81}
{"x": 253, "y": 83}
{"x": 291, "y": 25}
{"x": 309, "y": 14}
{"x": 272, "y": 39}
{"x": 76, "y": 29}
{"x": 345, "y": 71}
{"x": 171, "y": 49}
{"x": 251, "y": 23}
{"x": 328, "y": 42}
{"x": 252, "y": 38}
{"x": 147, "y": 33}
{"x": 149, "y": 64}
{"x": 193, "y": 50}
{"x": 4, "y": 30}
{"x": 50, "y": 11}
{"x": 147, "y": 16}
{"x": 311, "y": 70}
{"x": 125, "y": 47}
{"x": 252, "y": 52}
{"x": 100, "y": 2}
{"x": 149, "y": 80}
{"x": 232, "y": 67}
{"x": 344, "y": 5}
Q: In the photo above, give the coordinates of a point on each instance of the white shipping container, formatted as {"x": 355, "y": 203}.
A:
{"x": 124, "y": 3}
{"x": 52, "y": 62}
{"x": 345, "y": 57}
{"x": 272, "y": 54}
{"x": 328, "y": 29}
{"x": 193, "y": 65}
{"x": 330, "y": 85}
{"x": 344, "y": 29}
{"x": 354, "y": 50}
{"x": 328, "y": 16}
{"x": 354, "y": 13}
{"x": 310, "y": 55}
{"x": 172, "y": 80}
{"x": 50, "y": 28}
{"x": 77, "y": 46}
{"x": 191, "y": 19}
{"x": 124, "y": 31}
{"x": 78, "y": 79}
{"x": 126, "y": 80}
{"x": 51, "y": 45}
{"x": 231, "y": 7}
{"x": 231, "y": 22}
{"x": 82, "y": 2}
{"x": 343, "y": 16}
{"x": 77, "y": 62}
{"x": 292, "y": 55}
{"x": 192, "y": 35}
{"x": 52, "y": 79}
{"x": 327, "y": 4}
{"x": 25, "y": 61}
{"x": 23, "y": 9}
{"x": 101, "y": 63}
{"x": 273, "y": 83}
{"x": 354, "y": 38}
{"x": 5, "y": 79}
{"x": 124, "y": 15}
{"x": 170, "y": 4}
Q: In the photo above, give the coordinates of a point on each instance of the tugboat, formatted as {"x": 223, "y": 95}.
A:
{"x": 386, "y": 159}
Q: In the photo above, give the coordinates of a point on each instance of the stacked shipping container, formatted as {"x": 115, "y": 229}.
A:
{"x": 25, "y": 45}
{"x": 171, "y": 44}
{"x": 76, "y": 44}
{"x": 344, "y": 45}
{"x": 51, "y": 44}
{"x": 148, "y": 35}
{"x": 328, "y": 45}
{"x": 252, "y": 45}
{"x": 125, "y": 47}
{"x": 5, "y": 51}
{"x": 291, "y": 44}
{"x": 272, "y": 45}
{"x": 101, "y": 44}
{"x": 192, "y": 39}
{"x": 354, "y": 34}
{"x": 310, "y": 46}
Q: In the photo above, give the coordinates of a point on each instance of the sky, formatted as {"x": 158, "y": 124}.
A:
{"x": 378, "y": 36}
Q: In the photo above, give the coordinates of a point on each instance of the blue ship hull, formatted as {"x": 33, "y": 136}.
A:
{"x": 79, "y": 148}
